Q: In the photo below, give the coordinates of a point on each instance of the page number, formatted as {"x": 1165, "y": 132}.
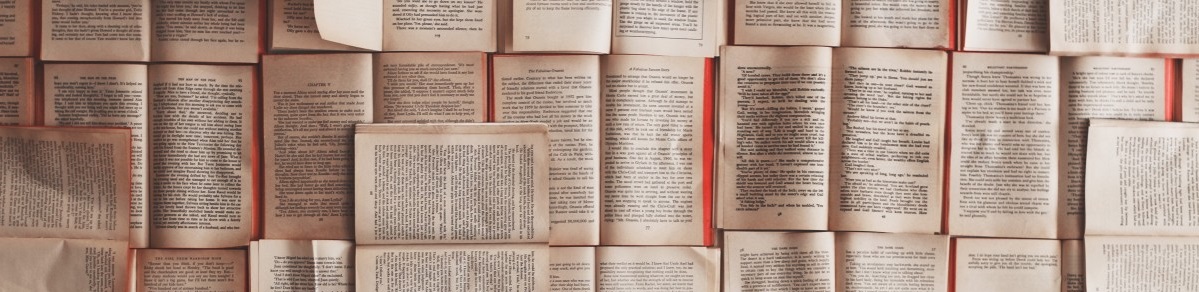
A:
{"x": 437, "y": 35}
{"x": 526, "y": 37}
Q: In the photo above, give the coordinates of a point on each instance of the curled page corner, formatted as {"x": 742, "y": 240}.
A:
{"x": 357, "y": 23}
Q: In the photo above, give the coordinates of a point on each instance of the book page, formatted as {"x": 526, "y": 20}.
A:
{"x": 16, "y": 29}
{"x": 1142, "y": 177}
{"x": 892, "y": 262}
{"x": 674, "y": 28}
{"x": 404, "y": 194}
{"x": 896, "y": 23}
{"x": 293, "y": 28}
{"x": 1127, "y": 263}
{"x": 1006, "y": 25}
{"x": 311, "y": 103}
{"x": 992, "y": 264}
{"x": 225, "y": 31}
{"x": 1131, "y": 27}
{"x": 773, "y": 157}
{"x": 191, "y": 270}
{"x": 779, "y": 261}
{"x": 203, "y": 160}
{"x": 563, "y": 92}
{"x": 457, "y": 267}
{"x": 655, "y": 114}
{"x": 111, "y": 30}
{"x": 52, "y": 264}
{"x": 562, "y": 26}
{"x": 1100, "y": 87}
{"x": 356, "y": 23}
{"x": 16, "y": 91}
{"x": 657, "y": 268}
{"x": 572, "y": 269}
{"x": 1190, "y": 90}
{"x": 110, "y": 96}
{"x": 787, "y": 22}
{"x": 1074, "y": 276}
{"x": 430, "y": 88}
{"x": 888, "y": 109}
{"x": 302, "y": 265}
{"x": 439, "y": 25}
{"x": 1004, "y": 157}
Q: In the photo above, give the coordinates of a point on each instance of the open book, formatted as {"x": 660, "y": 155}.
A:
{"x": 194, "y": 148}
{"x": 850, "y": 23}
{"x": 430, "y": 25}
{"x": 138, "y": 30}
{"x": 634, "y": 268}
{"x": 452, "y": 267}
{"x": 16, "y": 28}
{"x": 1129, "y": 263}
{"x": 16, "y": 91}
{"x": 1019, "y": 135}
{"x": 190, "y": 269}
{"x": 1129, "y": 27}
{"x": 301, "y": 265}
{"x": 1032, "y": 265}
{"x": 1004, "y": 25}
{"x": 676, "y": 28}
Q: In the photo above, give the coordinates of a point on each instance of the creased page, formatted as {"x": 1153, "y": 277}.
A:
{"x": 888, "y": 111}
{"x": 656, "y": 268}
{"x": 16, "y": 91}
{"x": 1003, "y": 162}
{"x": 1120, "y": 263}
{"x": 787, "y": 22}
{"x": 1006, "y": 25}
{"x": 311, "y": 105}
{"x": 453, "y": 267}
{"x": 356, "y": 23}
{"x": 656, "y": 135}
{"x": 431, "y": 88}
{"x": 205, "y": 31}
{"x": 293, "y": 28}
{"x": 1143, "y": 177}
{"x": 439, "y": 25}
{"x": 191, "y": 270}
{"x": 562, "y": 26}
{"x": 1190, "y": 90}
{"x": 896, "y": 23}
{"x": 673, "y": 28}
{"x": 203, "y": 141}
{"x": 1074, "y": 276}
{"x": 773, "y": 169}
{"x": 451, "y": 183}
{"x": 1128, "y": 27}
{"x": 16, "y": 29}
{"x": 64, "y": 265}
{"x": 572, "y": 269}
{"x": 1100, "y": 87}
{"x": 111, "y": 30}
{"x": 107, "y": 95}
{"x": 992, "y": 264}
{"x": 303, "y": 265}
{"x": 779, "y": 261}
{"x": 563, "y": 92}
{"x": 892, "y": 262}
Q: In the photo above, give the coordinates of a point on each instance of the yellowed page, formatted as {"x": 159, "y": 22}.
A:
{"x": 439, "y": 25}
{"x": 107, "y": 95}
{"x": 1004, "y": 158}
{"x": 356, "y": 23}
{"x": 1129, "y": 27}
{"x": 672, "y": 28}
{"x": 205, "y": 31}
{"x": 660, "y": 268}
{"x": 1006, "y": 25}
{"x": 16, "y": 31}
{"x": 293, "y": 28}
{"x": 1141, "y": 176}
{"x": 787, "y": 22}
{"x": 773, "y": 153}
{"x": 653, "y": 114}
{"x": 63, "y": 265}
{"x": 1100, "y": 87}
{"x": 203, "y": 145}
{"x": 896, "y": 23}
{"x": 1074, "y": 277}
{"x": 572, "y": 269}
{"x": 993, "y": 264}
{"x": 456, "y": 267}
{"x": 892, "y": 262}
{"x": 169, "y": 270}
{"x": 562, "y": 26}
{"x": 779, "y": 261}
{"x": 563, "y": 92}
{"x": 1129, "y": 263}
{"x": 888, "y": 113}
{"x": 451, "y": 183}
{"x": 302, "y": 265}
{"x": 112, "y": 30}
{"x": 1190, "y": 90}
{"x": 430, "y": 88}
{"x": 16, "y": 91}
{"x": 310, "y": 106}
{"x": 254, "y": 277}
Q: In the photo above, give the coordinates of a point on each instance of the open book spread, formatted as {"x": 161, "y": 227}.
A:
{"x": 599, "y": 145}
